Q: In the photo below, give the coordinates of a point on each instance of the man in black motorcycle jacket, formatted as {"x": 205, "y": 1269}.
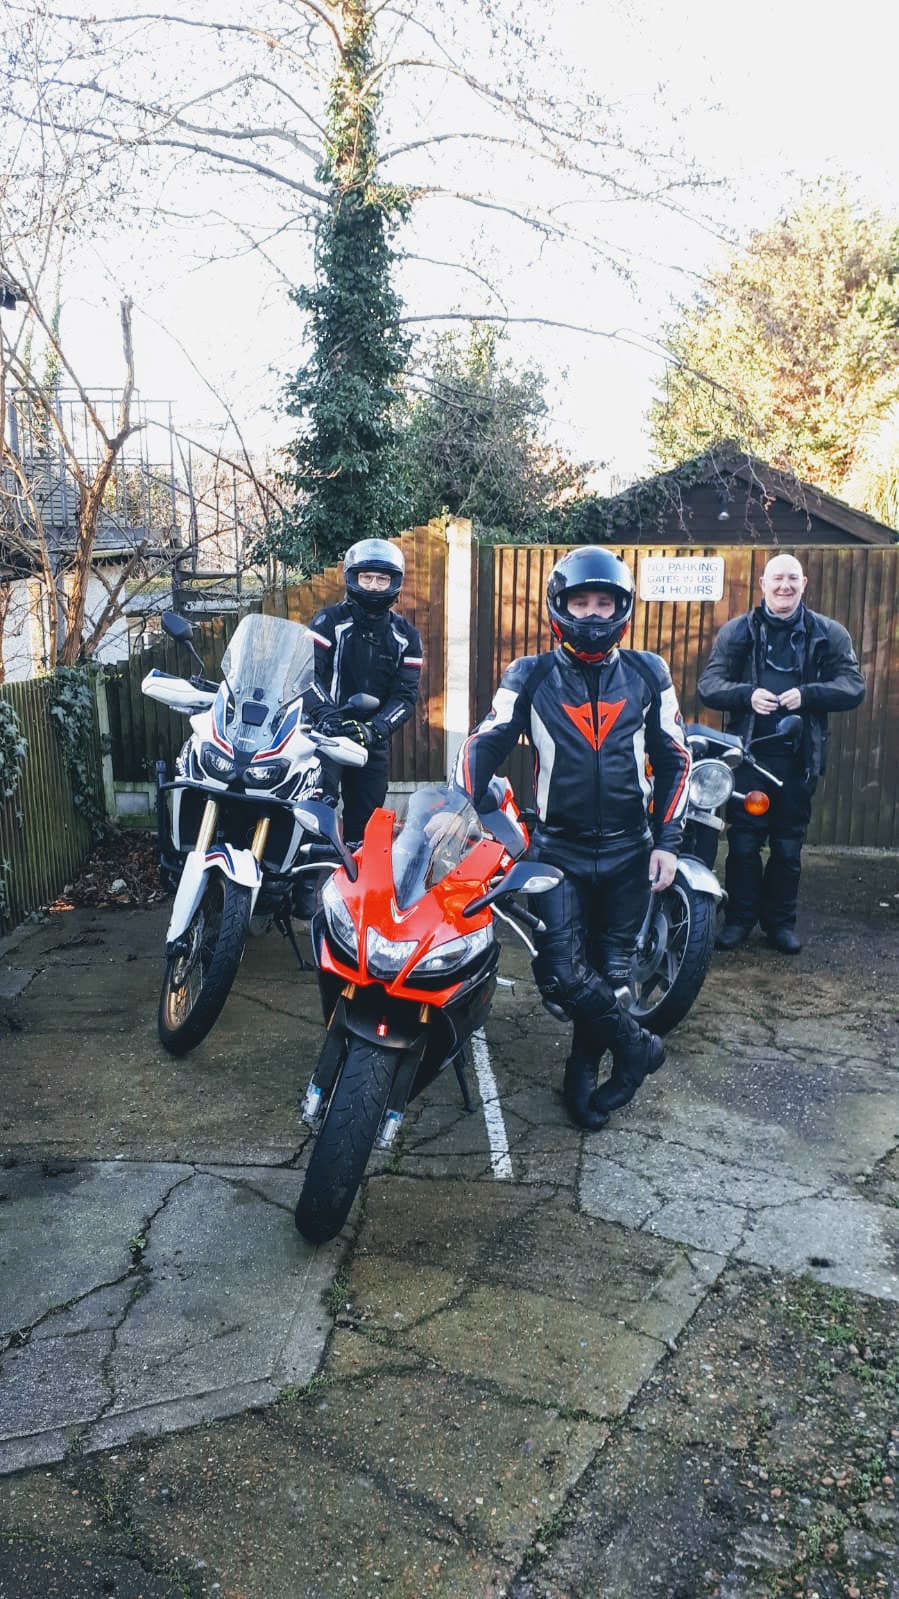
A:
{"x": 779, "y": 658}
{"x": 595, "y": 715}
{"x": 364, "y": 647}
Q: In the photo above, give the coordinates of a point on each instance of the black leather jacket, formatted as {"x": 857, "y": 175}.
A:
{"x": 592, "y": 730}
{"x": 829, "y": 678}
{"x": 357, "y": 654}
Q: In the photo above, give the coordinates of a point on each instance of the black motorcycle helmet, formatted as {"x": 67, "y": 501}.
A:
{"x": 373, "y": 555}
{"x": 589, "y": 568}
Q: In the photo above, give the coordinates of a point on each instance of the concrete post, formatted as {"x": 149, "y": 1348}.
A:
{"x": 105, "y": 745}
{"x": 457, "y": 681}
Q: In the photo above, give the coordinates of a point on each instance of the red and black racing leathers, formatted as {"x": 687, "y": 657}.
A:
{"x": 592, "y": 728}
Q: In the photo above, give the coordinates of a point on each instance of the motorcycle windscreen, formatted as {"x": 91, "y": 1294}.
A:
{"x": 440, "y": 828}
{"x": 269, "y": 660}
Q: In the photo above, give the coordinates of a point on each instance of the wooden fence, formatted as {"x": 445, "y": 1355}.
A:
{"x": 43, "y": 839}
{"x": 141, "y": 731}
{"x": 858, "y": 801}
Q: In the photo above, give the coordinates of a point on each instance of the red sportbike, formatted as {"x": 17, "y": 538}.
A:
{"x": 406, "y": 948}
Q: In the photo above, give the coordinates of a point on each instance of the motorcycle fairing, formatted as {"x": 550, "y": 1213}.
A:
{"x": 429, "y": 921}
{"x": 240, "y": 865}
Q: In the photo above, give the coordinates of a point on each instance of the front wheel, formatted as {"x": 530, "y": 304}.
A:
{"x": 340, "y": 1156}
{"x": 198, "y": 979}
{"x": 669, "y": 972}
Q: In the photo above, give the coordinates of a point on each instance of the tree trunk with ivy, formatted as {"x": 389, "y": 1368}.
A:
{"x": 341, "y": 472}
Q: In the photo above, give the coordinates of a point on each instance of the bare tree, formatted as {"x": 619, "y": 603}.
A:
{"x": 175, "y": 101}
{"x": 38, "y": 453}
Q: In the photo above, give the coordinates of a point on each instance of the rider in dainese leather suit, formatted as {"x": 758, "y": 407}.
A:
{"x": 595, "y": 715}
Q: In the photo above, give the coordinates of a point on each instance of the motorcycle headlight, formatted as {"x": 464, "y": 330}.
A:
{"x": 270, "y": 774}
{"x": 384, "y": 957}
{"x": 456, "y": 952}
{"x": 340, "y": 922}
{"x": 216, "y": 763}
{"x": 711, "y": 785}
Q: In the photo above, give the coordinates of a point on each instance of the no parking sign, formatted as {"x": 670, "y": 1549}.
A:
{"x": 682, "y": 577}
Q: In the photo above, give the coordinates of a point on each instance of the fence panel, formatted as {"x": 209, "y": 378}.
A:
{"x": 41, "y": 851}
{"x": 143, "y": 731}
{"x": 858, "y": 800}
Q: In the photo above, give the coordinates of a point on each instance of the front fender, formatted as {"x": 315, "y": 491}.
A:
{"x": 699, "y": 877}
{"x": 240, "y": 865}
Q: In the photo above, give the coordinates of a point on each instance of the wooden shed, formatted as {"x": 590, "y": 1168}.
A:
{"x": 728, "y": 497}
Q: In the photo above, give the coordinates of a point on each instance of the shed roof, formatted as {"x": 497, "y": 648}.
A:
{"x": 726, "y": 461}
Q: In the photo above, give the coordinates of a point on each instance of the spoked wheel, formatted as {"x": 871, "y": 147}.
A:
{"x": 670, "y": 970}
{"x": 198, "y": 979}
{"x": 340, "y": 1156}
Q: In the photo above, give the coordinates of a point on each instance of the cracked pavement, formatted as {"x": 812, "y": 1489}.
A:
{"x": 452, "y": 1398}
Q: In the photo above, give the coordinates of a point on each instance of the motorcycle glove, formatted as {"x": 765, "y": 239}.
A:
{"x": 330, "y": 723}
{"x": 359, "y": 732}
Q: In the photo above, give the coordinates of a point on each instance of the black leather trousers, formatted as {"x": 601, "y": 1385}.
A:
{"x": 767, "y": 893}
{"x": 595, "y": 913}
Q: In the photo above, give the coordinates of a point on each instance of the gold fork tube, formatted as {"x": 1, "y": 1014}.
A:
{"x": 207, "y": 826}
{"x": 260, "y": 836}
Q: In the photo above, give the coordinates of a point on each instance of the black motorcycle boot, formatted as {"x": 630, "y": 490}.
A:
{"x": 577, "y": 1088}
{"x": 636, "y": 1053}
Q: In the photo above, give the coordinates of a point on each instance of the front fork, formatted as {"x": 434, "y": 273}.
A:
{"x": 409, "y": 1053}
{"x": 196, "y": 868}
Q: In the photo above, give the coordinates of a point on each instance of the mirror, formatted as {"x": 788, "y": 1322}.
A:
{"x": 789, "y": 729}
{"x": 319, "y": 818}
{"x": 525, "y": 877}
{"x": 176, "y": 626}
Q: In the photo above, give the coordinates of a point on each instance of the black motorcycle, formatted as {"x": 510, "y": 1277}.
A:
{"x": 674, "y": 946}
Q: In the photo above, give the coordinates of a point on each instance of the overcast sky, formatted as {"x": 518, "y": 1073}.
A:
{"x": 764, "y": 96}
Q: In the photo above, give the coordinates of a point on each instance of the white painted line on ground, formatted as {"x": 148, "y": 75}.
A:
{"x": 500, "y": 1158}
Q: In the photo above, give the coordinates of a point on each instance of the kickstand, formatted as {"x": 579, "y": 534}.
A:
{"x": 459, "y": 1064}
{"x": 286, "y": 926}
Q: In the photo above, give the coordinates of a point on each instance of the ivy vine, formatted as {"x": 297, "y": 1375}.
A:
{"x": 13, "y": 750}
{"x": 341, "y": 472}
{"x": 73, "y": 713}
{"x": 652, "y": 508}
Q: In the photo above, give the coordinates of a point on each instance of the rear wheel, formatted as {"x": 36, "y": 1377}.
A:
{"x": 198, "y": 980}
{"x": 340, "y": 1156}
{"x": 670, "y": 971}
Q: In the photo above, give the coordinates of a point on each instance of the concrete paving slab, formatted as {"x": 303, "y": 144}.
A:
{"x": 291, "y": 1507}
{"x": 848, "y": 1242}
{"x": 680, "y": 1188}
{"x": 441, "y": 1440}
{"x": 14, "y": 980}
{"x": 87, "y": 1078}
{"x": 151, "y": 1297}
{"x": 563, "y": 1305}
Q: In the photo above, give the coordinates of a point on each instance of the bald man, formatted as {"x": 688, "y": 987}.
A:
{"x": 779, "y": 659}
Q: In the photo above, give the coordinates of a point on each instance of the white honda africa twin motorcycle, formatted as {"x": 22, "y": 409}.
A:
{"x": 228, "y": 834}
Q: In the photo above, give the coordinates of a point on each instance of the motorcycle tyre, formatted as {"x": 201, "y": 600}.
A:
{"x": 179, "y": 1037}
{"x": 345, "y": 1142}
{"x": 691, "y": 974}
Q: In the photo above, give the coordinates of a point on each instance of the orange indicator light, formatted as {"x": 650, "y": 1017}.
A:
{"x": 756, "y": 803}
